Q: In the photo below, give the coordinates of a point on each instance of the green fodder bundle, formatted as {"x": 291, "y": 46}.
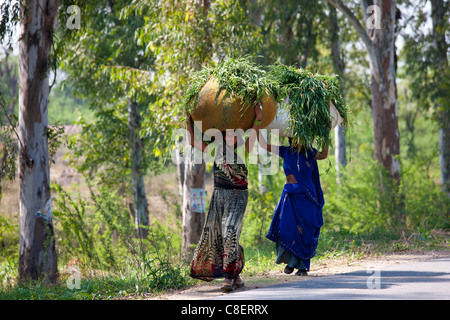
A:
{"x": 309, "y": 97}
{"x": 197, "y": 81}
{"x": 224, "y": 97}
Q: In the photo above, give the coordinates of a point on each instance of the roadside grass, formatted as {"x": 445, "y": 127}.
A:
{"x": 148, "y": 276}
{"x": 153, "y": 274}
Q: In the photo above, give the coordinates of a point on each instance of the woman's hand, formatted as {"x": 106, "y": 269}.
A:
{"x": 200, "y": 145}
{"x": 188, "y": 118}
{"x": 322, "y": 154}
{"x": 258, "y": 111}
{"x": 189, "y": 123}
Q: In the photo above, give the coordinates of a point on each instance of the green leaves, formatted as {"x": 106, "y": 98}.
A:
{"x": 309, "y": 96}
{"x": 238, "y": 77}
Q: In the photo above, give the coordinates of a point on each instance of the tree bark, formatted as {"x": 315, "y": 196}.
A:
{"x": 141, "y": 216}
{"x": 193, "y": 221}
{"x": 37, "y": 255}
{"x": 384, "y": 93}
{"x": 441, "y": 64}
{"x": 379, "y": 43}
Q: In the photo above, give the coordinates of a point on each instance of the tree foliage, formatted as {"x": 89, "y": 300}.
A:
{"x": 110, "y": 67}
{"x": 429, "y": 83}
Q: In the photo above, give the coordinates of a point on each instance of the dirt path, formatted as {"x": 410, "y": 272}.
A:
{"x": 321, "y": 268}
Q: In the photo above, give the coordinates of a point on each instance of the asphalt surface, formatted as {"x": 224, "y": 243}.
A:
{"x": 420, "y": 280}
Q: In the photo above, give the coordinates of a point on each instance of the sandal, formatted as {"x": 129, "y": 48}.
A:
{"x": 301, "y": 273}
{"x": 238, "y": 283}
{"x": 227, "y": 286}
{"x": 288, "y": 270}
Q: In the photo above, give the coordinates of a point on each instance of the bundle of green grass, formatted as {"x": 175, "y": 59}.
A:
{"x": 310, "y": 102}
{"x": 224, "y": 97}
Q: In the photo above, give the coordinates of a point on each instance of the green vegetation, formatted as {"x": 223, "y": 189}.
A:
{"x": 96, "y": 236}
{"x": 95, "y": 233}
{"x": 142, "y": 54}
{"x": 65, "y": 109}
{"x": 239, "y": 77}
{"x": 309, "y": 96}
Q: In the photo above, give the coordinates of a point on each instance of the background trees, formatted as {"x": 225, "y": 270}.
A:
{"x": 129, "y": 64}
{"x": 379, "y": 39}
{"x": 115, "y": 76}
{"x": 426, "y": 52}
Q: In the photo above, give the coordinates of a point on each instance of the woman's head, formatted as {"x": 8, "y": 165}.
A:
{"x": 293, "y": 143}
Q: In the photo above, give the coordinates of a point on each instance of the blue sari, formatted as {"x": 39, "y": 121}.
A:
{"x": 298, "y": 218}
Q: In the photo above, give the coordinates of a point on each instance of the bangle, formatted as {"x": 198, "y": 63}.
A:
{"x": 257, "y": 122}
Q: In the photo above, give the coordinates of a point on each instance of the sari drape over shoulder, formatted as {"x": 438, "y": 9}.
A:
{"x": 298, "y": 215}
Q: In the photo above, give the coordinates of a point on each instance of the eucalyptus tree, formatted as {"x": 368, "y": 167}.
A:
{"x": 425, "y": 52}
{"x": 296, "y": 34}
{"x": 378, "y": 37}
{"x": 35, "y": 24}
{"x": 110, "y": 67}
{"x": 37, "y": 21}
{"x": 186, "y": 36}
{"x": 291, "y": 32}
{"x": 339, "y": 69}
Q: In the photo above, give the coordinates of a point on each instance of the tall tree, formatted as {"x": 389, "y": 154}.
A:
{"x": 187, "y": 35}
{"x": 141, "y": 216}
{"x": 115, "y": 77}
{"x": 379, "y": 42}
{"x": 178, "y": 32}
{"x": 37, "y": 255}
{"x": 194, "y": 173}
{"x": 340, "y": 148}
{"x": 290, "y": 31}
{"x": 426, "y": 55}
{"x": 440, "y": 21}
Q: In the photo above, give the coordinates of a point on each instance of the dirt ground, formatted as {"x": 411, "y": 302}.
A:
{"x": 205, "y": 290}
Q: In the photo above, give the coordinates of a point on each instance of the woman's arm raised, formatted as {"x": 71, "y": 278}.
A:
{"x": 324, "y": 153}
{"x": 200, "y": 145}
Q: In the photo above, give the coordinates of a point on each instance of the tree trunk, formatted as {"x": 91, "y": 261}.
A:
{"x": 379, "y": 42}
{"x": 384, "y": 92}
{"x": 340, "y": 143}
{"x": 444, "y": 150}
{"x": 441, "y": 64}
{"x": 37, "y": 255}
{"x": 261, "y": 185}
{"x": 194, "y": 174}
{"x": 193, "y": 221}
{"x": 180, "y": 172}
{"x": 141, "y": 217}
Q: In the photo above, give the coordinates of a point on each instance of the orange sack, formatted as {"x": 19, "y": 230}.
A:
{"x": 228, "y": 112}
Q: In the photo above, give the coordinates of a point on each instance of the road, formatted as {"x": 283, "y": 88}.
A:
{"x": 419, "y": 280}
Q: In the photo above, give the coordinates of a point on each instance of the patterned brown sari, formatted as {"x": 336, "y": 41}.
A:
{"x": 218, "y": 253}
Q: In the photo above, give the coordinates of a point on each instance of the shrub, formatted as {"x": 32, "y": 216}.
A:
{"x": 101, "y": 234}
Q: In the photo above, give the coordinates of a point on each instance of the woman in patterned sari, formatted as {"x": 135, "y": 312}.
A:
{"x": 297, "y": 220}
{"x": 218, "y": 253}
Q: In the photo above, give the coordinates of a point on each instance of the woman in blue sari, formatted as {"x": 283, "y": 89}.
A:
{"x": 296, "y": 223}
